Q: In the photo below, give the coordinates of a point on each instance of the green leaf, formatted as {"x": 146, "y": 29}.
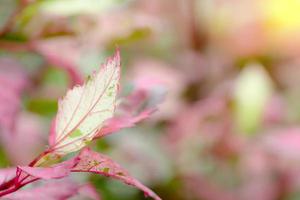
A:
{"x": 45, "y": 107}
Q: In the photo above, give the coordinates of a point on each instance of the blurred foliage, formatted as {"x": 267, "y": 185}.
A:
{"x": 228, "y": 128}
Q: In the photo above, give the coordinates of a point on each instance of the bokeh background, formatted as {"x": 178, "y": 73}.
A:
{"x": 229, "y": 71}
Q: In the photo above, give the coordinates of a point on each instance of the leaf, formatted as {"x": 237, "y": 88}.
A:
{"x": 117, "y": 123}
{"x": 57, "y": 171}
{"x": 132, "y": 110}
{"x": 86, "y": 161}
{"x": 84, "y": 109}
{"x": 94, "y": 162}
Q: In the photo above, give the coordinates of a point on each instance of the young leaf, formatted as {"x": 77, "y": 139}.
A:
{"x": 131, "y": 111}
{"x": 117, "y": 123}
{"x": 94, "y": 162}
{"x": 84, "y": 109}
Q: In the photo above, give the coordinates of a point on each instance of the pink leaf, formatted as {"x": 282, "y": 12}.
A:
{"x": 117, "y": 123}
{"x": 97, "y": 163}
{"x": 158, "y": 77}
{"x": 87, "y": 161}
{"x": 57, "y": 171}
{"x": 132, "y": 102}
{"x": 130, "y": 113}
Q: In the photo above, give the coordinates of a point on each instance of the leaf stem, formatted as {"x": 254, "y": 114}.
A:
{"x": 13, "y": 184}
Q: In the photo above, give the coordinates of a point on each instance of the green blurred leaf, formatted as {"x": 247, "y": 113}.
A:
{"x": 27, "y": 14}
{"x": 55, "y": 76}
{"x": 135, "y": 36}
{"x": 102, "y": 145}
{"x": 16, "y": 37}
{"x": 45, "y": 107}
{"x": 4, "y": 162}
{"x": 7, "y": 9}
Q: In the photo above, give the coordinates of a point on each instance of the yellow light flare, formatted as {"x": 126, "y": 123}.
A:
{"x": 281, "y": 17}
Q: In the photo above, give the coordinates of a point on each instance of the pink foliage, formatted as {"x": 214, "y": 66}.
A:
{"x": 22, "y": 143}
{"x": 117, "y": 123}
{"x": 131, "y": 111}
{"x": 283, "y": 143}
{"x": 157, "y": 79}
{"x": 275, "y": 111}
{"x": 13, "y": 123}
{"x": 12, "y": 82}
{"x": 51, "y": 50}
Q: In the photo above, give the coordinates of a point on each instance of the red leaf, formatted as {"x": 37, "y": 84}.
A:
{"x": 97, "y": 163}
{"x": 132, "y": 112}
{"x": 117, "y": 123}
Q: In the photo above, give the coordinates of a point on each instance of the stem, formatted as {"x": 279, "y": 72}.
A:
{"x": 7, "y": 184}
{"x": 5, "y": 192}
{"x": 39, "y": 157}
{"x": 11, "y": 190}
{"x": 13, "y": 184}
